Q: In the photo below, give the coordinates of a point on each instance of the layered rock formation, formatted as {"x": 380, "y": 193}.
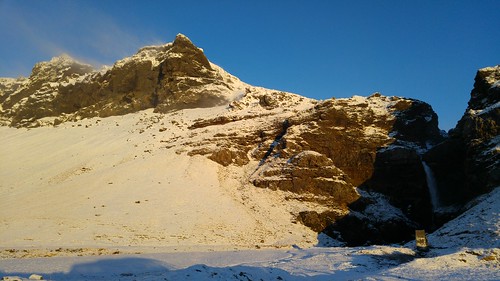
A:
{"x": 357, "y": 160}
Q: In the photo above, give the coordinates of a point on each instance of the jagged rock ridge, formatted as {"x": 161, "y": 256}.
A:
{"x": 353, "y": 157}
{"x": 168, "y": 77}
{"x": 467, "y": 163}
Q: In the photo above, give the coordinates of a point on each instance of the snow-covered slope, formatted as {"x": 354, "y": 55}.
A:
{"x": 478, "y": 227}
{"x": 125, "y": 180}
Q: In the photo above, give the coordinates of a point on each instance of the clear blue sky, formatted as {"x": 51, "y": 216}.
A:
{"x": 428, "y": 50}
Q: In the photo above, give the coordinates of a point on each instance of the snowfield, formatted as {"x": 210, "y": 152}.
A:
{"x": 118, "y": 198}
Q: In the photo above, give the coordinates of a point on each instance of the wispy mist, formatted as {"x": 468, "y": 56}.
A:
{"x": 79, "y": 30}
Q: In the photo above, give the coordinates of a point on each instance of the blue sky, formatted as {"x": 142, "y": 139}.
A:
{"x": 428, "y": 50}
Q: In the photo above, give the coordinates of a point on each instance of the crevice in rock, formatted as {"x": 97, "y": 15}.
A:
{"x": 278, "y": 140}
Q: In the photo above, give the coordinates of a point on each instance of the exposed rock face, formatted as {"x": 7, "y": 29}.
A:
{"x": 9, "y": 86}
{"x": 308, "y": 172}
{"x": 184, "y": 76}
{"x": 172, "y": 76}
{"x": 34, "y": 98}
{"x": 372, "y": 220}
{"x": 327, "y": 149}
{"x": 468, "y": 162}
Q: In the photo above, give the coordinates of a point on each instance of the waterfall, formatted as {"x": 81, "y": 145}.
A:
{"x": 432, "y": 186}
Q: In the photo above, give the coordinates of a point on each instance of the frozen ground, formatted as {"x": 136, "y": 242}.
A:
{"x": 362, "y": 263}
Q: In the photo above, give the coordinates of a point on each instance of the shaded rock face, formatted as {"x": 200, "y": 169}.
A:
{"x": 467, "y": 164}
{"x": 358, "y": 231}
{"x": 173, "y": 76}
{"x": 397, "y": 170}
{"x": 416, "y": 123}
{"x": 398, "y": 174}
{"x": 371, "y": 220}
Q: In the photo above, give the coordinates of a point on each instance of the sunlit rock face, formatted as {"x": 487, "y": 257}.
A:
{"x": 187, "y": 79}
{"x": 34, "y": 98}
{"x": 167, "y": 77}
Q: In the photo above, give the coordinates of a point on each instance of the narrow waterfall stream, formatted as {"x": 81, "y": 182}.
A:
{"x": 432, "y": 186}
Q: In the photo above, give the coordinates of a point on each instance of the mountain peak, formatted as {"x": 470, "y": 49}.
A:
{"x": 64, "y": 57}
{"x": 184, "y": 48}
{"x": 165, "y": 77}
{"x": 181, "y": 38}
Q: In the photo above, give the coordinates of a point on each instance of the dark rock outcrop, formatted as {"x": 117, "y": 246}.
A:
{"x": 467, "y": 164}
{"x": 398, "y": 174}
{"x": 319, "y": 221}
{"x": 371, "y": 220}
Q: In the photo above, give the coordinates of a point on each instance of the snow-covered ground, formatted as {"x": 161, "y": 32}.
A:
{"x": 118, "y": 198}
{"x": 361, "y": 263}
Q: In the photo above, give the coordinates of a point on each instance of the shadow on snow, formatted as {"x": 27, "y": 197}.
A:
{"x": 300, "y": 266}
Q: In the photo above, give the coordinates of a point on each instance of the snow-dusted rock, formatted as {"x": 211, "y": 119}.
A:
{"x": 166, "y": 77}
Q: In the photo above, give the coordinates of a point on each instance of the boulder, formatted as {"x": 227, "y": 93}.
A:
{"x": 226, "y": 157}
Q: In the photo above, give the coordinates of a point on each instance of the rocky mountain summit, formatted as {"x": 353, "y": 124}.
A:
{"x": 168, "y": 77}
{"x": 355, "y": 166}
